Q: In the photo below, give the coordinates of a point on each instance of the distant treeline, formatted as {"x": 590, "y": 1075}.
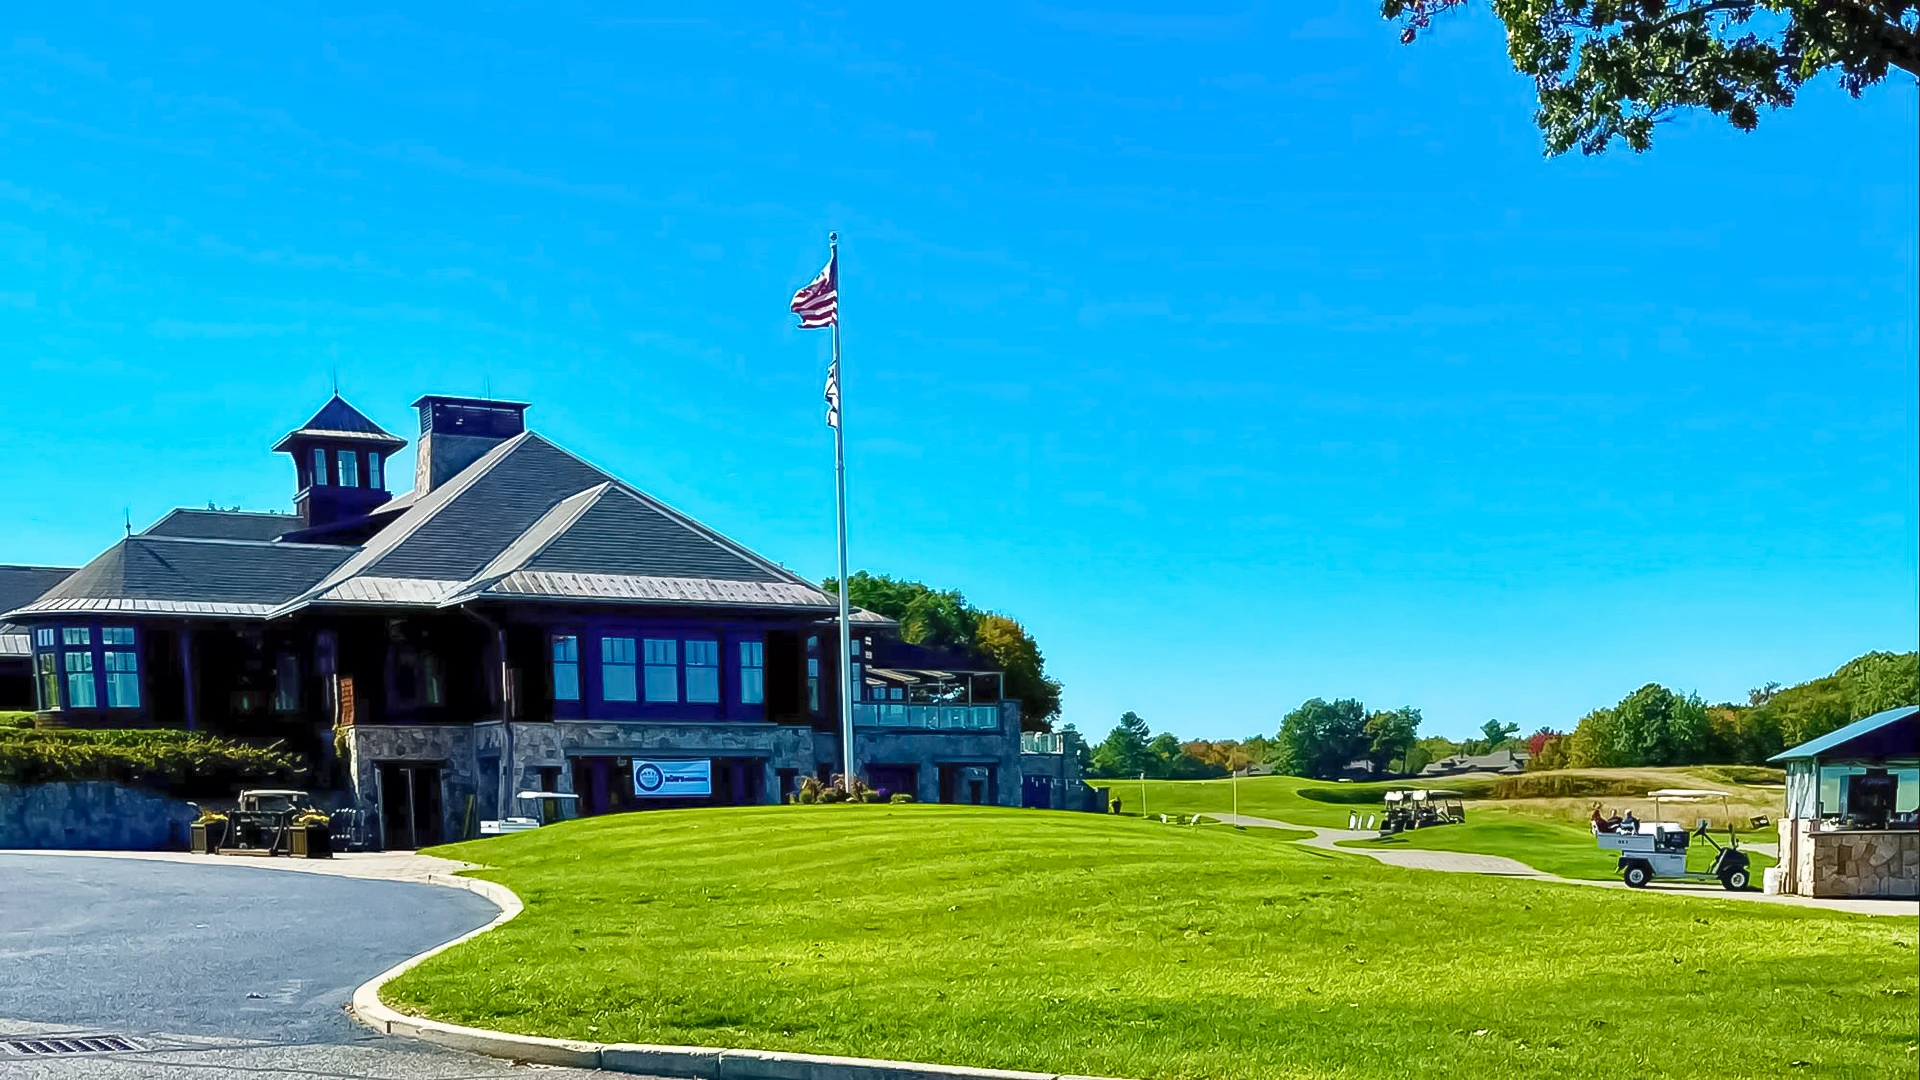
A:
{"x": 1657, "y": 726}
{"x": 1650, "y": 727}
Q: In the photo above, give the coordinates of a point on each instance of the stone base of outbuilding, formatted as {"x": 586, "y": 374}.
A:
{"x": 1872, "y": 863}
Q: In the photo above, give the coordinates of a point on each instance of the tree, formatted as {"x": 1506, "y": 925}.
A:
{"x": 1124, "y": 751}
{"x": 1496, "y": 732}
{"x": 944, "y": 620}
{"x": 1008, "y": 645}
{"x": 1321, "y": 737}
{"x": 1391, "y": 733}
{"x": 1612, "y": 69}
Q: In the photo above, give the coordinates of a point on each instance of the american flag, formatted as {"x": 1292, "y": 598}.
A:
{"x": 818, "y": 304}
{"x": 833, "y": 394}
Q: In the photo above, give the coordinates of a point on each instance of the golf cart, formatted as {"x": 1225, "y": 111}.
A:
{"x": 550, "y": 806}
{"x": 1650, "y": 849}
{"x": 1420, "y": 809}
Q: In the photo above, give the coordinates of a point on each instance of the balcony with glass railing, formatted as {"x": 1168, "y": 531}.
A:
{"x": 922, "y": 700}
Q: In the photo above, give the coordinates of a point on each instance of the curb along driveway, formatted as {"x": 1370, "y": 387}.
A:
{"x": 219, "y": 968}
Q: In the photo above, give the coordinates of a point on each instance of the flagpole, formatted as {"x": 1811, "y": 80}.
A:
{"x": 840, "y": 498}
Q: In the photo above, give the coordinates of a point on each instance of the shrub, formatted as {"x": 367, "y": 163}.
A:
{"x": 1559, "y": 785}
{"x": 184, "y": 763}
{"x": 901, "y": 797}
{"x": 16, "y": 720}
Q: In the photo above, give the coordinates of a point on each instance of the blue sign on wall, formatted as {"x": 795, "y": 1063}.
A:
{"x": 672, "y": 779}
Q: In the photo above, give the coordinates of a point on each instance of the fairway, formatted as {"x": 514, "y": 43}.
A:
{"x": 1542, "y": 833}
{"x": 1113, "y": 946}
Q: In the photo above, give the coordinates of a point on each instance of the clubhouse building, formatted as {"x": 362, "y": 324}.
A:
{"x": 520, "y": 620}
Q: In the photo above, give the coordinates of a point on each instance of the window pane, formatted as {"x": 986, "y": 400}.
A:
{"x": 43, "y": 637}
{"x": 753, "y": 686}
{"x": 616, "y": 682}
{"x": 49, "y": 682}
{"x": 373, "y": 472}
{"x": 116, "y": 635}
{"x": 286, "y": 683}
{"x": 663, "y": 683}
{"x": 703, "y": 671}
{"x": 76, "y": 635}
{"x": 79, "y": 667}
{"x": 566, "y": 681}
{"x": 617, "y": 677}
{"x": 319, "y": 466}
{"x": 123, "y": 689}
{"x": 662, "y": 650}
{"x": 566, "y": 648}
{"x": 753, "y": 654}
{"x": 700, "y": 654}
{"x": 349, "y": 468}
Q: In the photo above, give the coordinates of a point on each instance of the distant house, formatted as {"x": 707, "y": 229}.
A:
{"x": 521, "y": 620}
{"x": 1501, "y": 762}
{"x": 20, "y": 586}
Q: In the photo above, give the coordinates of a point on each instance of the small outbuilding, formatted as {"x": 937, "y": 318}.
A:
{"x": 1853, "y": 811}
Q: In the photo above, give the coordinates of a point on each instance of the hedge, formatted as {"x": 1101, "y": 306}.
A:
{"x": 185, "y": 763}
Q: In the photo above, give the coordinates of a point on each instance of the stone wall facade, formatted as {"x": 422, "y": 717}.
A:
{"x": 1878, "y": 863}
{"x": 489, "y": 761}
{"x": 92, "y": 816}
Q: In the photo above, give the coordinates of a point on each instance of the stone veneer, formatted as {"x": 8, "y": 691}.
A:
{"x": 1850, "y": 862}
{"x": 461, "y": 750}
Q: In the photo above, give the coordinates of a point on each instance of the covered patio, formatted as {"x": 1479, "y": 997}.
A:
{"x": 1853, "y": 811}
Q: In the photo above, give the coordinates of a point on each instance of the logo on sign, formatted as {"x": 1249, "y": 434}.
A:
{"x": 672, "y": 779}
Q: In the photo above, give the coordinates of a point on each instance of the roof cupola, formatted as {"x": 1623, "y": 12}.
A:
{"x": 340, "y": 464}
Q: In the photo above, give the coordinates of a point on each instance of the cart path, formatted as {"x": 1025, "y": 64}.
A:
{"x": 1459, "y": 862}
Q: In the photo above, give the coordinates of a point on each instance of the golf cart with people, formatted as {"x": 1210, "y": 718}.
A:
{"x": 1650, "y": 849}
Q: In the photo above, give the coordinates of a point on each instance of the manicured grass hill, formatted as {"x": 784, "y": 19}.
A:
{"x": 1121, "y": 947}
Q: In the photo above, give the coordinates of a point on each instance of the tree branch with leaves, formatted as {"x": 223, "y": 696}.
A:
{"x": 1614, "y": 69}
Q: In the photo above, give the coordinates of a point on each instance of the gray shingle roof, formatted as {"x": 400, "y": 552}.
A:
{"x": 192, "y": 576}
{"x": 223, "y": 524}
{"x": 21, "y": 585}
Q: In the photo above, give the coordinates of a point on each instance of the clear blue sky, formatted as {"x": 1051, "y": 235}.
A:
{"x": 1244, "y": 355}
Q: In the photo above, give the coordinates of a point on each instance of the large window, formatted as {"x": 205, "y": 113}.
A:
{"x": 703, "y": 671}
{"x": 663, "y": 669}
{"x": 349, "y": 467}
{"x": 319, "y": 467}
{"x": 753, "y": 672}
{"x": 47, "y": 667}
{"x": 617, "y": 669}
{"x": 286, "y": 683}
{"x": 76, "y": 660}
{"x": 122, "y": 662}
{"x": 566, "y": 667}
{"x": 813, "y": 673}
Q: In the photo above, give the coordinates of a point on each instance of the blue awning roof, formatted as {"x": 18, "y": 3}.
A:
{"x": 1834, "y": 740}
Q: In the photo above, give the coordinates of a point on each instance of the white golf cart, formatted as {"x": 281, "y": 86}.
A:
{"x": 550, "y": 805}
{"x": 1650, "y": 849}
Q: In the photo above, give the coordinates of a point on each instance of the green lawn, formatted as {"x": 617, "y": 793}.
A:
{"x": 1535, "y": 834}
{"x": 1555, "y": 847}
{"x": 1286, "y": 798}
{"x": 1115, "y": 946}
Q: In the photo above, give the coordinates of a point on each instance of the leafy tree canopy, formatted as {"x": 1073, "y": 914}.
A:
{"x": 1321, "y": 737}
{"x": 943, "y": 619}
{"x": 1613, "y": 69}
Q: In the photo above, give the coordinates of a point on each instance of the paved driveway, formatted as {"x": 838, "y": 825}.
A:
{"x": 216, "y": 969}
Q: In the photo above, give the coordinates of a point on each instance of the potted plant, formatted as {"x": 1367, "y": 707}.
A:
{"x": 208, "y": 831}
{"x": 311, "y": 836}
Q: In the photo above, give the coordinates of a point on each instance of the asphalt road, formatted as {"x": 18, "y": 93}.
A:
{"x": 218, "y": 970}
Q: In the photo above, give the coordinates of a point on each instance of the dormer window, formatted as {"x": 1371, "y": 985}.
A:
{"x": 349, "y": 468}
{"x": 319, "y": 467}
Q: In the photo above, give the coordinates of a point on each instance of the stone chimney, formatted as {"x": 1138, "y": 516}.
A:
{"x": 456, "y": 431}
